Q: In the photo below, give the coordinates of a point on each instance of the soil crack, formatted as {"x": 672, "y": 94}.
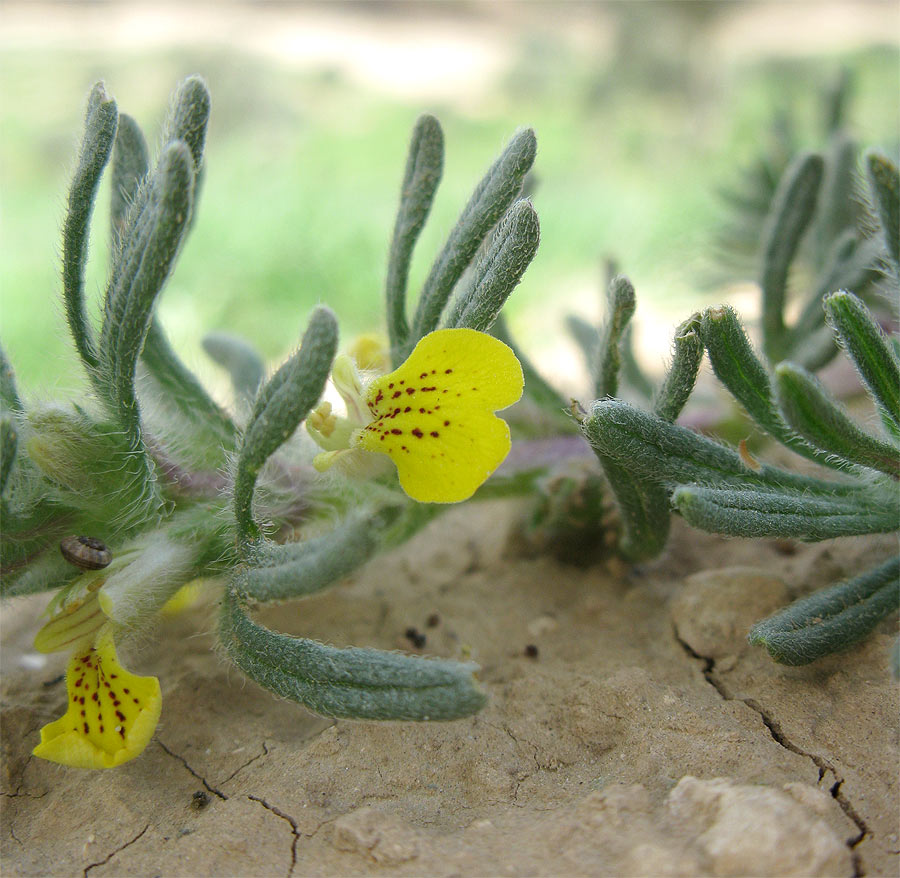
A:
{"x": 116, "y": 851}
{"x": 199, "y": 777}
{"x": 240, "y": 768}
{"x": 780, "y": 737}
{"x": 294, "y": 830}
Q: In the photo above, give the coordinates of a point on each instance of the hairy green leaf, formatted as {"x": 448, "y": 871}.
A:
{"x": 831, "y": 619}
{"x": 354, "y": 683}
{"x": 146, "y": 261}
{"x": 243, "y": 364}
{"x": 130, "y": 166}
{"x": 100, "y": 126}
{"x": 643, "y": 511}
{"x": 274, "y": 572}
{"x": 815, "y": 414}
{"x": 620, "y": 309}
{"x": 499, "y": 271}
{"x": 792, "y": 210}
{"x": 681, "y": 376}
{"x": 188, "y": 117}
{"x": 424, "y": 168}
{"x": 884, "y": 179}
{"x": 490, "y": 200}
{"x": 741, "y": 371}
{"x": 744, "y": 512}
{"x": 835, "y": 212}
{"x": 659, "y": 451}
{"x": 280, "y": 406}
{"x": 875, "y": 359}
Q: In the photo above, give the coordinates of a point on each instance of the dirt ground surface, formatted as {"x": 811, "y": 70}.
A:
{"x": 646, "y": 737}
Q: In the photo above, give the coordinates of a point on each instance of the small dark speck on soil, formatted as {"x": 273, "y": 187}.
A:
{"x": 415, "y": 637}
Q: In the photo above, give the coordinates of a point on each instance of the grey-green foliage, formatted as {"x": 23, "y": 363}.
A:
{"x": 832, "y": 618}
{"x": 642, "y": 500}
{"x": 720, "y": 490}
{"x": 244, "y": 365}
{"x": 806, "y": 211}
{"x": 495, "y": 273}
{"x": 151, "y": 456}
{"x": 282, "y": 403}
{"x": 351, "y": 682}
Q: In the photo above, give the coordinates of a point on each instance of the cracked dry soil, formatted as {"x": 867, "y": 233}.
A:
{"x": 646, "y": 737}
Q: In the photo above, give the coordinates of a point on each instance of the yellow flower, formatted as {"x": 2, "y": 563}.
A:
{"x": 433, "y": 416}
{"x": 112, "y": 713}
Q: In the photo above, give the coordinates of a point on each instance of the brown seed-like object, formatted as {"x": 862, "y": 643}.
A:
{"x": 87, "y": 553}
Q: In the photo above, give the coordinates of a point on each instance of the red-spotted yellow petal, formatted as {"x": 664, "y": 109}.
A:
{"x": 434, "y": 416}
{"x": 112, "y": 713}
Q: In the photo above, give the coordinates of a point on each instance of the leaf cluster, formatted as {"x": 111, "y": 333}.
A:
{"x": 152, "y": 453}
{"x": 655, "y": 466}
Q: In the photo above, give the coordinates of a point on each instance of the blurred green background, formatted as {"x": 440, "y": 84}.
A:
{"x": 642, "y": 110}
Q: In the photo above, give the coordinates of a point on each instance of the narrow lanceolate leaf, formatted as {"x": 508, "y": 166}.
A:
{"x": 145, "y": 262}
{"x": 130, "y": 165}
{"x": 499, "y": 271}
{"x": 875, "y": 359}
{"x": 99, "y": 135}
{"x": 837, "y": 96}
{"x": 586, "y": 337}
{"x": 682, "y": 373}
{"x": 243, "y": 364}
{"x": 741, "y": 371}
{"x": 281, "y": 405}
{"x": 188, "y": 117}
{"x": 836, "y": 203}
{"x": 9, "y": 439}
{"x": 643, "y": 511}
{"x": 621, "y": 303}
{"x": 490, "y": 200}
{"x": 884, "y": 178}
{"x": 353, "y": 683}
{"x": 9, "y": 394}
{"x": 838, "y": 272}
{"x": 831, "y": 619}
{"x": 424, "y": 167}
{"x": 654, "y": 449}
{"x": 632, "y": 373}
{"x": 745, "y": 512}
{"x": 793, "y": 206}
{"x": 815, "y": 414}
{"x": 278, "y": 572}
